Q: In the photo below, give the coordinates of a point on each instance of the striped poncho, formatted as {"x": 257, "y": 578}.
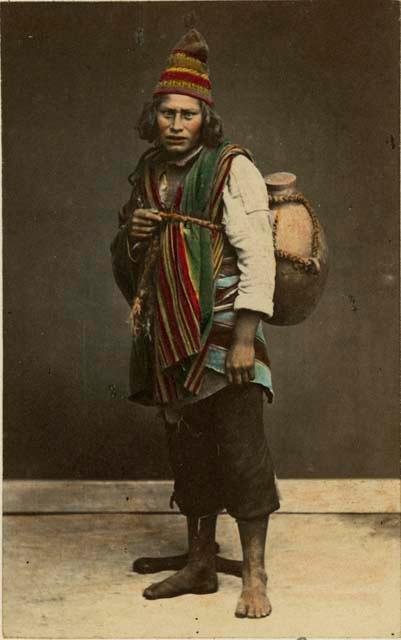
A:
{"x": 192, "y": 315}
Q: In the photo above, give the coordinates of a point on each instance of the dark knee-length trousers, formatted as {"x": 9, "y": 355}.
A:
{"x": 220, "y": 457}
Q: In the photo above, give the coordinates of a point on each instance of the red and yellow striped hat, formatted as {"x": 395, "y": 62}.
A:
{"x": 187, "y": 72}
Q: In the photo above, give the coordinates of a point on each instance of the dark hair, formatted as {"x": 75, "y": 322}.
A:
{"x": 212, "y": 125}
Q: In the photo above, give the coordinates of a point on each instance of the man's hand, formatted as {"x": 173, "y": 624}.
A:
{"x": 143, "y": 224}
{"x": 240, "y": 363}
{"x": 240, "y": 359}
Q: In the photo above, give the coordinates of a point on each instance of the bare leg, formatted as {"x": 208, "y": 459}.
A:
{"x": 169, "y": 563}
{"x": 199, "y": 575}
{"x": 253, "y": 602}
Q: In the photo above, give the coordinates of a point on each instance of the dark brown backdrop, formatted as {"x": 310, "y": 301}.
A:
{"x": 310, "y": 87}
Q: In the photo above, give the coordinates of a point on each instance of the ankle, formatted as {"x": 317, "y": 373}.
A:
{"x": 200, "y": 561}
{"x": 251, "y": 571}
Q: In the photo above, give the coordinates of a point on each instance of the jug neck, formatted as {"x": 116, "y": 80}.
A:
{"x": 281, "y": 183}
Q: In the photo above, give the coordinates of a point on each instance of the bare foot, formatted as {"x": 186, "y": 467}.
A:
{"x": 253, "y": 601}
{"x": 192, "y": 579}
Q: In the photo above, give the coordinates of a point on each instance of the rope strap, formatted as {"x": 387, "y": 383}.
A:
{"x": 171, "y": 216}
{"x": 306, "y": 264}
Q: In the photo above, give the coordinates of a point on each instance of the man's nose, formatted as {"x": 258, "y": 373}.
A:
{"x": 176, "y": 124}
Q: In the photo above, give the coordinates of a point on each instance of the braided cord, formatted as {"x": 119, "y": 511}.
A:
{"x": 307, "y": 264}
{"x": 178, "y": 217}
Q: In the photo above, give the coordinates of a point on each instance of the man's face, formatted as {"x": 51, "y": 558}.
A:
{"x": 180, "y": 121}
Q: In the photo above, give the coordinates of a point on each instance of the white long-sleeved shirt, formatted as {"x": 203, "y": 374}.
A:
{"x": 248, "y": 229}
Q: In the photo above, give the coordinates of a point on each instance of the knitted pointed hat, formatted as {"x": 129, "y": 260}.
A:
{"x": 187, "y": 72}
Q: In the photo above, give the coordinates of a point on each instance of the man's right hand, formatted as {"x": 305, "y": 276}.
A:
{"x": 143, "y": 224}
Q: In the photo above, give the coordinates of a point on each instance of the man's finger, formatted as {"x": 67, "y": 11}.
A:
{"x": 147, "y": 214}
{"x": 139, "y": 236}
{"x": 145, "y": 230}
{"x": 245, "y": 376}
{"x": 237, "y": 377}
{"x": 140, "y": 233}
{"x": 252, "y": 373}
{"x": 227, "y": 369}
{"x": 143, "y": 222}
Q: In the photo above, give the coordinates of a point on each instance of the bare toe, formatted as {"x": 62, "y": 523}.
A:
{"x": 241, "y": 609}
{"x": 267, "y": 609}
{"x": 148, "y": 592}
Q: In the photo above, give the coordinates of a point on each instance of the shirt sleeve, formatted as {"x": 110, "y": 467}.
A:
{"x": 248, "y": 228}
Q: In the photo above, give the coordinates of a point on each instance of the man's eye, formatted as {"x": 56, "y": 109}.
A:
{"x": 188, "y": 116}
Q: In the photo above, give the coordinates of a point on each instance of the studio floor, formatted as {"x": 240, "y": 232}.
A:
{"x": 69, "y": 576}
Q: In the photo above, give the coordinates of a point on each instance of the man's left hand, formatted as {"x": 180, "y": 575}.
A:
{"x": 240, "y": 363}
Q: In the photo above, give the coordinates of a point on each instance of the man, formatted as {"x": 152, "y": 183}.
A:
{"x": 194, "y": 258}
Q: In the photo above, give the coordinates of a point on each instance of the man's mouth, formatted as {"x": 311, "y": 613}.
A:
{"x": 175, "y": 139}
